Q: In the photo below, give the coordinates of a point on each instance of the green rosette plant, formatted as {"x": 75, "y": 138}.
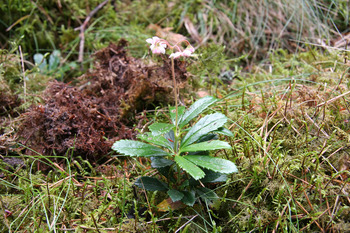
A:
{"x": 180, "y": 150}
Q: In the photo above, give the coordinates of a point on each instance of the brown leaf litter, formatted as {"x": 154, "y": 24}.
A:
{"x": 102, "y": 108}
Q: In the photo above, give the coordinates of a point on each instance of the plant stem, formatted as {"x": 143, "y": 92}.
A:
{"x": 176, "y": 105}
{"x": 176, "y": 133}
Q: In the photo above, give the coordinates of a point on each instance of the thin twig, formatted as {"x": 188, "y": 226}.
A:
{"x": 54, "y": 185}
{"x": 42, "y": 9}
{"x": 284, "y": 210}
{"x": 316, "y": 222}
{"x": 24, "y": 77}
{"x": 62, "y": 170}
{"x": 308, "y": 200}
{"x": 245, "y": 190}
{"x": 88, "y": 228}
{"x": 83, "y": 27}
{"x": 186, "y": 223}
{"x": 331, "y": 100}
{"x": 166, "y": 219}
{"x": 317, "y": 126}
{"x": 301, "y": 230}
{"x": 93, "y": 219}
{"x": 114, "y": 229}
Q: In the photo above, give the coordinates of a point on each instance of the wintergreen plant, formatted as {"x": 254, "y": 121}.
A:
{"x": 50, "y": 64}
{"x": 180, "y": 150}
{"x": 41, "y": 61}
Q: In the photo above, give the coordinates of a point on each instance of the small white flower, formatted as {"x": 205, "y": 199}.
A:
{"x": 152, "y": 40}
{"x": 190, "y": 48}
{"x": 176, "y": 55}
{"x": 159, "y": 49}
{"x": 157, "y": 45}
{"x": 186, "y": 53}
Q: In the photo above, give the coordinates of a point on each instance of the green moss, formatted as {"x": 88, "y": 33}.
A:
{"x": 290, "y": 141}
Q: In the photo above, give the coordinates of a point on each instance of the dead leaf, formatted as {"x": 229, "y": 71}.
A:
{"x": 166, "y": 34}
{"x": 202, "y": 94}
{"x": 168, "y": 204}
{"x": 191, "y": 29}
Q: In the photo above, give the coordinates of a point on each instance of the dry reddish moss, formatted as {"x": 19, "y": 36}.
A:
{"x": 8, "y": 102}
{"x": 130, "y": 82}
{"x": 101, "y": 108}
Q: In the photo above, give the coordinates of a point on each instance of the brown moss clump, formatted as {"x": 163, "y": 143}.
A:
{"x": 130, "y": 82}
{"x": 8, "y": 102}
{"x": 89, "y": 117}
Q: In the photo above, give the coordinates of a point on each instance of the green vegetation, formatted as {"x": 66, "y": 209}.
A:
{"x": 181, "y": 159}
{"x": 279, "y": 74}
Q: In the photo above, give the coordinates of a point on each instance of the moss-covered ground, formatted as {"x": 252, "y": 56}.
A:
{"x": 281, "y": 73}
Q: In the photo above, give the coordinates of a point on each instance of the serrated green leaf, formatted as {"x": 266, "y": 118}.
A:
{"x": 213, "y": 163}
{"x": 204, "y": 138}
{"x": 189, "y": 198}
{"x": 150, "y": 184}
{"x": 209, "y": 196}
{"x": 175, "y": 195}
{"x": 204, "y": 126}
{"x": 189, "y": 167}
{"x": 136, "y": 148}
{"x": 160, "y": 128}
{"x": 210, "y": 177}
{"x": 170, "y": 137}
{"x": 172, "y": 111}
{"x": 208, "y": 137}
{"x": 213, "y": 177}
{"x": 206, "y": 194}
{"x": 224, "y": 131}
{"x": 196, "y": 108}
{"x": 158, "y": 162}
{"x": 184, "y": 184}
{"x": 167, "y": 173}
{"x": 199, "y": 153}
{"x": 204, "y": 146}
{"x": 156, "y": 140}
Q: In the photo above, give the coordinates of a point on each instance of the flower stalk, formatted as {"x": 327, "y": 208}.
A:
{"x": 176, "y": 106}
{"x": 158, "y": 46}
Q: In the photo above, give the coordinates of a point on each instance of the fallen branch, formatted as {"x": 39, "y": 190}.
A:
{"x": 83, "y": 27}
